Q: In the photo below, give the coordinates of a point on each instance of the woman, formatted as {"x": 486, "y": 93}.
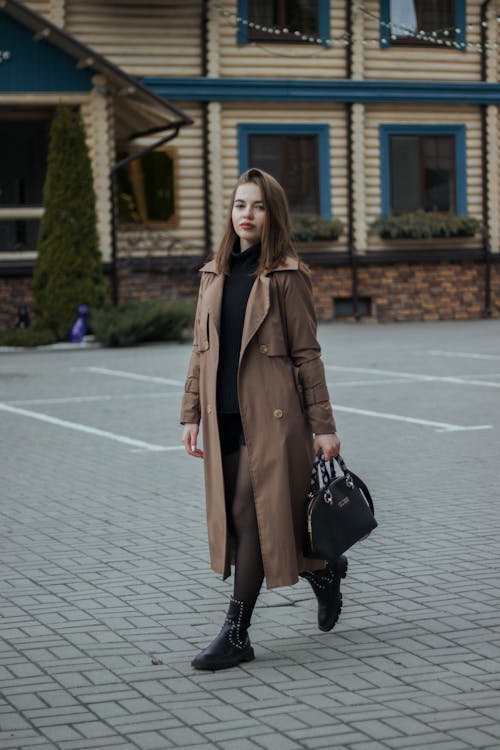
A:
{"x": 256, "y": 382}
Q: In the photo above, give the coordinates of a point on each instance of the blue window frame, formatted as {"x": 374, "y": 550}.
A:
{"x": 457, "y": 40}
{"x": 321, "y": 136}
{"x": 457, "y": 132}
{"x": 323, "y": 23}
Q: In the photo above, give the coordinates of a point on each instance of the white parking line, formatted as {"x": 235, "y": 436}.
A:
{"x": 372, "y": 381}
{"x": 438, "y": 426}
{"x": 131, "y": 375}
{"x": 140, "y": 444}
{"x": 465, "y": 355}
{"x": 87, "y": 399}
{"x": 415, "y": 376}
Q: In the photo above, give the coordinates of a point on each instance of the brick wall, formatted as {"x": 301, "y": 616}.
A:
{"x": 14, "y": 293}
{"x": 441, "y": 291}
{"x": 146, "y": 285}
{"x": 438, "y": 291}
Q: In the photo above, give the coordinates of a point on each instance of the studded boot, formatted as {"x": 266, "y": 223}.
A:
{"x": 326, "y": 586}
{"x": 232, "y": 645}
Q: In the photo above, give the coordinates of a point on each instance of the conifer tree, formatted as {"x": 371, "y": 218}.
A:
{"x": 68, "y": 271}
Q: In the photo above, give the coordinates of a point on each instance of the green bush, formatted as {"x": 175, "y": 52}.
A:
{"x": 68, "y": 271}
{"x": 309, "y": 227}
{"x": 424, "y": 224}
{"x": 27, "y": 337}
{"x": 139, "y": 322}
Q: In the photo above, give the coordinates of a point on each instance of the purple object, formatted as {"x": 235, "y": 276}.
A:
{"x": 80, "y": 326}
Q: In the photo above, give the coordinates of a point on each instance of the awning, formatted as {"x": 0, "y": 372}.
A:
{"x": 137, "y": 110}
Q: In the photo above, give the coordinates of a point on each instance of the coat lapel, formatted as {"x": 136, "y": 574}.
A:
{"x": 258, "y": 302}
{"x": 257, "y": 309}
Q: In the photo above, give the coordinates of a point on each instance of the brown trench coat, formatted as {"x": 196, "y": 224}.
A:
{"x": 283, "y": 399}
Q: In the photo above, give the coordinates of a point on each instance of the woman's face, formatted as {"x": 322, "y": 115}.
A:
{"x": 248, "y": 214}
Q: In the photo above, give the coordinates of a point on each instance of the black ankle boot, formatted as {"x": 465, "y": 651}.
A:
{"x": 232, "y": 645}
{"x": 326, "y": 586}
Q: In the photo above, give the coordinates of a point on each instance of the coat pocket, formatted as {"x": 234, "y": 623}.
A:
{"x": 299, "y": 388}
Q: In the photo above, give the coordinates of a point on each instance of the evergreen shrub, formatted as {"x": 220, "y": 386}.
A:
{"x": 140, "y": 322}
{"x": 425, "y": 224}
{"x": 310, "y": 227}
{"x": 68, "y": 270}
{"x": 27, "y": 337}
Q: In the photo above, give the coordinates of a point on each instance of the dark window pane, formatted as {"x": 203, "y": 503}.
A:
{"x": 158, "y": 173}
{"x": 405, "y": 187}
{"x": 438, "y": 16}
{"x": 23, "y": 165}
{"x": 265, "y": 153}
{"x": 302, "y": 15}
{"x": 293, "y": 160}
{"x": 263, "y": 13}
{"x": 300, "y": 173}
{"x": 293, "y": 15}
{"x": 146, "y": 189}
{"x": 422, "y": 173}
{"x": 19, "y": 234}
{"x": 23, "y": 160}
{"x": 439, "y": 169}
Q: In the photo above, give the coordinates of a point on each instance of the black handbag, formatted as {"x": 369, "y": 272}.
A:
{"x": 339, "y": 510}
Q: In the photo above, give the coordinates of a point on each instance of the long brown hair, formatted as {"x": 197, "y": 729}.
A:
{"x": 277, "y": 234}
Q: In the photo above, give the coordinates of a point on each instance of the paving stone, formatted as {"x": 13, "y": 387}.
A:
{"x": 378, "y": 730}
{"x": 183, "y": 737}
{"x": 151, "y": 740}
{"x": 97, "y": 582}
{"x": 13, "y": 740}
{"x": 475, "y": 737}
{"x": 60, "y": 733}
{"x": 276, "y": 741}
{"x": 424, "y": 742}
{"x": 239, "y": 744}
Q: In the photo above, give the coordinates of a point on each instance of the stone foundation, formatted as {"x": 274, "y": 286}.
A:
{"x": 442, "y": 291}
{"x": 388, "y": 292}
{"x": 15, "y": 292}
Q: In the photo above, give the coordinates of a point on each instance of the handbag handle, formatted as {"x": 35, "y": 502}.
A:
{"x": 328, "y": 474}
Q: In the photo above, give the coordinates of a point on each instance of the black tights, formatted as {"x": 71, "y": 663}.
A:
{"x": 240, "y": 505}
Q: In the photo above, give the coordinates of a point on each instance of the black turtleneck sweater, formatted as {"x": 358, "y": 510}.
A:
{"x": 237, "y": 288}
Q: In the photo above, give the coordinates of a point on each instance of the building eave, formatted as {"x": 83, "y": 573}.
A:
{"x": 324, "y": 90}
{"x": 151, "y": 112}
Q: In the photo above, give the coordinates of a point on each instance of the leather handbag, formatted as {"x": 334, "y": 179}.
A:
{"x": 339, "y": 510}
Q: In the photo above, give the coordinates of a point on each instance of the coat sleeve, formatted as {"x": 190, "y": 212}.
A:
{"x": 190, "y": 408}
{"x": 300, "y": 328}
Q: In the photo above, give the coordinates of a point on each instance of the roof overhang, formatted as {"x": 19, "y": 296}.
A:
{"x": 138, "y": 111}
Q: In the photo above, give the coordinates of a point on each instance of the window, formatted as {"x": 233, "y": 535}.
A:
{"x": 297, "y": 156}
{"x": 423, "y": 167}
{"x": 145, "y": 189}
{"x": 23, "y": 159}
{"x": 422, "y": 173}
{"x": 423, "y": 22}
{"x": 298, "y": 21}
{"x": 293, "y": 160}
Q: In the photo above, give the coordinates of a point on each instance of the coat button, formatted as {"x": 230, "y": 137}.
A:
{"x": 277, "y": 413}
{"x": 209, "y": 409}
{"x": 263, "y": 349}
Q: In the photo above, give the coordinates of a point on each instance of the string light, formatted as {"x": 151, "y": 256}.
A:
{"x": 389, "y": 32}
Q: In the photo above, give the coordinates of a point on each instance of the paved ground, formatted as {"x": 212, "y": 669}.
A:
{"x": 106, "y": 592}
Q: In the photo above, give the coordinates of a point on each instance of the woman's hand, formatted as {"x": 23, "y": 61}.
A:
{"x": 190, "y": 440}
{"x": 329, "y": 444}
